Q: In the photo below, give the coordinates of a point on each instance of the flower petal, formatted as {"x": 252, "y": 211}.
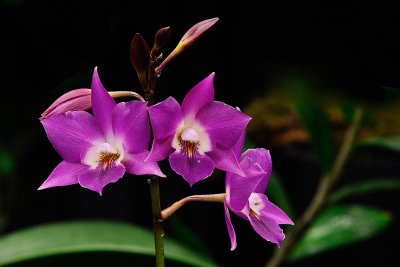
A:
{"x": 267, "y": 228}
{"x": 131, "y": 125}
{"x": 238, "y": 147}
{"x": 165, "y": 118}
{"x": 262, "y": 157}
{"x": 72, "y": 133}
{"x": 231, "y": 230}
{"x": 240, "y": 188}
{"x": 160, "y": 151}
{"x": 273, "y": 212}
{"x": 191, "y": 169}
{"x": 78, "y": 99}
{"x": 200, "y": 95}
{"x": 223, "y": 123}
{"x": 96, "y": 179}
{"x": 102, "y": 104}
{"x": 66, "y": 173}
{"x": 225, "y": 160}
{"x": 135, "y": 164}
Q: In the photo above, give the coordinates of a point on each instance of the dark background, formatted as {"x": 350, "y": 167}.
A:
{"x": 50, "y": 47}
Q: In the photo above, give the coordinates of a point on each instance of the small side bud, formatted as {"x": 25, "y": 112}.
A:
{"x": 140, "y": 58}
{"x": 79, "y": 99}
{"x": 188, "y": 39}
{"x": 160, "y": 40}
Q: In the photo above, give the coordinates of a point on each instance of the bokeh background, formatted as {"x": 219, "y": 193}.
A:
{"x": 346, "y": 52}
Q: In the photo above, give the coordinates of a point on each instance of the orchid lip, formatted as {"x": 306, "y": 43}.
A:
{"x": 191, "y": 139}
{"x": 103, "y": 155}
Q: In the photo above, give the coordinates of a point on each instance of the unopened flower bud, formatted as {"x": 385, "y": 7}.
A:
{"x": 79, "y": 100}
{"x": 74, "y": 100}
{"x": 140, "y": 58}
{"x": 161, "y": 39}
{"x": 188, "y": 39}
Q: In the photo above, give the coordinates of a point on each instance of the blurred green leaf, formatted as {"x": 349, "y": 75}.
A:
{"x": 319, "y": 129}
{"x": 339, "y": 226}
{"x": 391, "y": 93}
{"x": 89, "y": 237}
{"x": 365, "y": 187}
{"x": 392, "y": 143}
{"x": 276, "y": 192}
{"x": 12, "y": 2}
{"x": 185, "y": 236}
{"x": 7, "y": 164}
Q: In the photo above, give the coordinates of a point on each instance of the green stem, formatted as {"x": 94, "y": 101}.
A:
{"x": 321, "y": 196}
{"x": 157, "y": 226}
{"x": 154, "y": 181}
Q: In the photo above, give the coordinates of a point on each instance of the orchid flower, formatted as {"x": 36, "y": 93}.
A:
{"x": 197, "y": 136}
{"x": 98, "y": 149}
{"x": 245, "y": 196}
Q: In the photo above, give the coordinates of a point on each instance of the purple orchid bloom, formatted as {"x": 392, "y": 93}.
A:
{"x": 245, "y": 196}
{"x": 98, "y": 149}
{"x": 197, "y": 136}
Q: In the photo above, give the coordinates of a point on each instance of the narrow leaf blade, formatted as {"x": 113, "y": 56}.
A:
{"x": 319, "y": 129}
{"x": 89, "y": 237}
{"x": 339, "y": 226}
{"x": 365, "y": 187}
{"x": 277, "y": 194}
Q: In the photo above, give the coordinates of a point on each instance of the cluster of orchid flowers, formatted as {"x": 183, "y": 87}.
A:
{"x": 196, "y": 137}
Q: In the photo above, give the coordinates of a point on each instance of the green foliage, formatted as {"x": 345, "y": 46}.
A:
{"x": 277, "y": 194}
{"x": 319, "y": 129}
{"x": 392, "y": 143}
{"x": 79, "y": 237}
{"x": 339, "y": 226}
{"x": 12, "y": 2}
{"x": 365, "y": 187}
{"x": 7, "y": 164}
{"x": 185, "y": 236}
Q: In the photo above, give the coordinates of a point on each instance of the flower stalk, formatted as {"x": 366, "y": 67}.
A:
{"x": 154, "y": 181}
{"x": 321, "y": 196}
{"x": 199, "y": 198}
{"x": 158, "y": 230}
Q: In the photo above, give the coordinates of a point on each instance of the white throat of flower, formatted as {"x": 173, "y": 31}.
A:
{"x": 104, "y": 155}
{"x": 191, "y": 139}
{"x": 255, "y": 205}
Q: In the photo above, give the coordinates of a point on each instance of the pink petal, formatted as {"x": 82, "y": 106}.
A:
{"x": 66, "y": 173}
{"x": 200, "y": 95}
{"x": 135, "y": 164}
{"x": 131, "y": 124}
{"x": 165, "y": 118}
{"x": 191, "y": 169}
{"x": 223, "y": 123}
{"x": 267, "y": 228}
{"x": 262, "y": 157}
{"x": 238, "y": 147}
{"x": 231, "y": 230}
{"x": 74, "y": 100}
{"x": 102, "y": 104}
{"x": 240, "y": 188}
{"x": 225, "y": 160}
{"x": 160, "y": 151}
{"x": 96, "y": 179}
{"x": 72, "y": 133}
{"x": 273, "y": 212}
